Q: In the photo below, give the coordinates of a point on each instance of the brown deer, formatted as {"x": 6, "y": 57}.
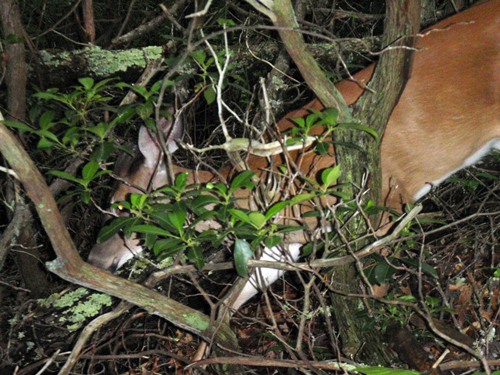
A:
{"x": 447, "y": 118}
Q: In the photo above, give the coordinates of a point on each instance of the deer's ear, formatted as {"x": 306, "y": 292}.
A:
{"x": 148, "y": 142}
{"x": 149, "y": 146}
{"x": 172, "y": 131}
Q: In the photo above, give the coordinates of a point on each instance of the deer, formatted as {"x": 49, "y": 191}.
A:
{"x": 447, "y": 118}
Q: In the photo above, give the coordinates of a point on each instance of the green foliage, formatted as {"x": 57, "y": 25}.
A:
{"x": 89, "y": 172}
{"x": 189, "y": 218}
{"x": 70, "y": 122}
{"x": 327, "y": 119}
{"x": 209, "y": 74}
{"x": 73, "y": 123}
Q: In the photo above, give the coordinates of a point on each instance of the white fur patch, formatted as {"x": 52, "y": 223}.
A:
{"x": 473, "y": 159}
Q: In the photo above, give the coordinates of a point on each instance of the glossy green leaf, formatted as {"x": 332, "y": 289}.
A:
{"x": 209, "y": 94}
{"x": 322, "y": 148}
{"x": 113, "y": 227}
{"x": 178, "y": 218}
{"x": 299, "y": 198}
{"x": 66, "y": 176}
{"x": 20, "y": 126}
{"x": 195, "y": 256}
{"x": 243, "y": 179}
{"x": 181, "y": 180}
{"x": 151, "y": 229}
{"x": 330, "y": 175}
{"x": 257, "y": 219}
{"x": 273, "y": 241}
{"x": 239, "y": 214}
{"x": 102, "y": 152}
{"x": 89, "y": 170}
{"x": 242, "y": 253}
{"x": 138, "y": 200}
{"x": 275, "y": 209}
{"x": 168, "y": 247}
{"x": 86, "y": 82}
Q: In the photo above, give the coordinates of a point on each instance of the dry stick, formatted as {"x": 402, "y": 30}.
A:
{"x": 259, "y": 361}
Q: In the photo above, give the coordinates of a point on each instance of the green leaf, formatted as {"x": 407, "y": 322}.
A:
{"x": 275, "y": 209}
{"x": 47, "y": 134}
{"x": 138, "y": 200}
{"x": 102, "y": 152}
{"x": 181, "y": 180}
{"x": 243, "y": 179}
{"x": 85, "y": 196}
{"x": 86, "y": 82}
{"x": 199, "y": 55}
{"x": 383, "y": 272}
{"x": 226, "y": 22}
{"x": 151, "y": 229}
{"x": 178, "y": 218}
{"x": 242, "y": 253}
{"x": 66, "y": 176}
{"x": 408, "y": 299}
{"x": 299, "y": 198}
{"x": 195, "y": 256}
{"x": 257, "y": 219}
{"x": 150, "y": 240}
{"x": 44, "y": 143}
{"x": 209, "y": 94}
{"x": 168, "y": 247}
{"x": 426, "y": 268}
{"x": 123, "y": 115}
{"x": 100, "y": 129}
{"x": 330, "y": 175}
{"x": 202, "y": 201}
{"x": 239, "y": 214}
{"x": 21, "y": 127}
{"x": 89, "y": 170}
{"x": 205, "y": 217}
{"x": 114, "y": 227}
{"x": 273, "y": 241}
{"x": 330, "y": 115}
{"x": 322, "y": 148}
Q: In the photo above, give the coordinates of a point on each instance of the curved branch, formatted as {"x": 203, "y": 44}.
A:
{"x": 70, "y": 266}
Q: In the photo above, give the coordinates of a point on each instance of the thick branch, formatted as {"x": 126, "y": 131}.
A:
{"x": 307, "y": 65}
{"x": 16, "y": 77}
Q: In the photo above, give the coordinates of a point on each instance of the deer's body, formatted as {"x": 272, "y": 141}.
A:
{"x": 447, "y": 118}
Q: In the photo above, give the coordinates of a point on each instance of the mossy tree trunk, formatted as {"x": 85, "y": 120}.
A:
{"x": 374, "y": 109}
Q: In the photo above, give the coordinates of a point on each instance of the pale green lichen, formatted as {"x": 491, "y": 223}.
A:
{"x": 103, "y": 63}
{"x": 76, "y": 306}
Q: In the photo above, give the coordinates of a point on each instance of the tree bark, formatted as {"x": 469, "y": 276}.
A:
{"x": 29, "y": 259}
{"x": 16, "y": 74}
{"x": 373, "y": 108}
